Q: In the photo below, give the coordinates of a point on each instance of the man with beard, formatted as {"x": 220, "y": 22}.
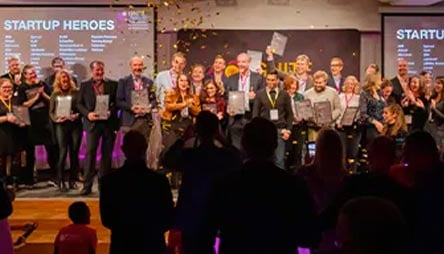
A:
{"x": 249, "y": 83}
{"x": 134, "y": 116}
{"x": 401, "y": 81}
{"x": 167, "y": 79}
{"x": 320, "y": 92}
{"x": 302, "y": 64}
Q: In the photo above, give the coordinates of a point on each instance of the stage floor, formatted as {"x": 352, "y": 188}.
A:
{"x": 51, "y": 215}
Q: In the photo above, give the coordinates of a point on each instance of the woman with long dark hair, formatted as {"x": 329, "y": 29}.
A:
{"x": 68, "y": 128}
{"x": 415, "y": 104}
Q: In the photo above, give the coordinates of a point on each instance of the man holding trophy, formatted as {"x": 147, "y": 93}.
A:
{"x": 97, "y": 104}
{"x": 135, "y": 98}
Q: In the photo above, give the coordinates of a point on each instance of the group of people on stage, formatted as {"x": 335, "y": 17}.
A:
{"x": 386, "y": 107}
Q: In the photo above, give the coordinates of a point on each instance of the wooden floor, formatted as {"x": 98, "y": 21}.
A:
{"x": 51, "y": 215}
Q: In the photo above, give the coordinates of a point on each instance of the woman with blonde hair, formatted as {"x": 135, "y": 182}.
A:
{"x": 394, "y": 122}
{"x": 67, "y": 127}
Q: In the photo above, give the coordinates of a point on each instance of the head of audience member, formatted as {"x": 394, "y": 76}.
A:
{"x": 371, "y": 225}
{"x": 136, "y": 66}
{"x": 302, "y": 64}
{"x": 134, "y": 146}
{"x": 291, "y": 84}
{"x": 372, "y": 69}
{"x": 351, "y": 85}
{"x": 30, "y": 74}
{"x": 393, "y": 116}
{"x": 259, "y": 139}
{"x": 427, "y": 76}
{"x": 371, "y": 83}
{"x": 420, "y": 151}
{"x": 438, "y": 91}
{"x": 63, "y": 82}
{"x": 178, "y": 62}
{"x": 386, "y": 89}
{"x": 381, "y": 154}
{"x": 416, "y": 85}
{"x": 183, "y": 84}
{"x": 97, "y": 70}
{"x": 6, "y": 89}
{"x": 329, "y": 159}
{"x": 207, "y": 126}
{"x": 320, "y": 81}
{"x": 272, "y": 79}
{"x": 198, "y": 73}
{"x": 243, "y": 63}
{"x": 403, "y": 68}
{"x": 14, "y": 65}
{"x": 57, "y": 64}
{"x": 79, "y": 213}
{"x": 219, "y": 64}
{"x": 336, "y": 66}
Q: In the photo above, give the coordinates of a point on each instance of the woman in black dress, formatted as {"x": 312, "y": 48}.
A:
{"x": 9, "y": 128}
{"x": 33, "y": 94}
{"x": 67, "y": 128}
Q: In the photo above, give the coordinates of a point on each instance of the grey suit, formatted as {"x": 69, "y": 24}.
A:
{"x": 237, "y": 123}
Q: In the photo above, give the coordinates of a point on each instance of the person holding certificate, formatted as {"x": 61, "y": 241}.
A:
{"x": 34, "y": 94}
{"x": 136, "y": 98}
{"x": 325, "y": 101}
{"x": 274, "y": 104}
{"x": 246, "y": 83}
{"x": 67, "y": 126}
{"x": 346, "y": 125}
{"x": 97, "y": 104}
{"x": 9, "y": 127}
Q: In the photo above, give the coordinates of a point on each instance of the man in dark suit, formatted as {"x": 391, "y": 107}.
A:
{"x": 57, "y": 64}
{"x": 136, "y": 203}
{"x": 401, "y": 81}
{"x": 248, "y": 82}
{"x": 134, "y": 116}
{"x": 335, "y": 78}
{"x": 98, "y": 126}
{"x": 263, "y": 209}
{"x": 275, "y": 105}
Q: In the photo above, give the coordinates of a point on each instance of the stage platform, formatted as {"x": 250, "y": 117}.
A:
{"x": 51, "y": 215}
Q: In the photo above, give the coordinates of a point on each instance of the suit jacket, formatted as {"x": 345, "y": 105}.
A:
{"x": 331, "y": 82}
{"x": 123, "y": 97}
{"x": 254, "y": 215}
{"x": 271, "y": 66}
{"x": 256, "y": 81}
{"x": 136, "y": 204}
{"x": 87, "y": 102}
{"x": 262, "y": 107}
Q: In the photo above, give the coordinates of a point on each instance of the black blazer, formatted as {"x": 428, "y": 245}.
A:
{"x": 262, "y": 107}
{"x": 136, "y": 204}
{"x": 123, "y": 98}
{"x": 331, "y": 82}
{"x": 87, "y": 102}
{"x": 256, "y": 81}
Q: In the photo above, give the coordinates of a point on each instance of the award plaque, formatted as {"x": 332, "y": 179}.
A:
{"x": 212, "y": 107}
{"x": 278, "y": 43}
{"x": 236, "y": 103}
{"x": 323, "y": 114}
{"x": 22, "y": 114}
{"x": 102, "y": 105}
{"x": 348, "y": 118}
{"x": 63, "y": 108}
{"x": 140, "y": 99}
{"x": 304, "y": 110}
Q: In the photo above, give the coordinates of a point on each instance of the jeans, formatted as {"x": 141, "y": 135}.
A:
{"x": 68, "y": 137}
{"x": 295, "y": 146}
{"x": 27, "y": 175}
{"x": 104, "y": 131}
{"x": 279, "y": 154}
{"x": 350, "y": 140}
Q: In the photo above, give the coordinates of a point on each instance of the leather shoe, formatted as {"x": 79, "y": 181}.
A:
{"x": 85, "y": 192}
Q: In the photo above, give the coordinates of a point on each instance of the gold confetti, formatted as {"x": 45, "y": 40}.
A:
{"x": 203, "y": 46}
{"x": 175, "y": 46}
{"x": 166, "y": 3}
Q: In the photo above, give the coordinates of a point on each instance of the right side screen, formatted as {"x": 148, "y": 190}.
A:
{"x": 415, "y": 38}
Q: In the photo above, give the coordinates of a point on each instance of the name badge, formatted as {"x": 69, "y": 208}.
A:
{"x": 274, "y": 114}
{"x": 9, "y": 114}
{"x": 408, "y": 119}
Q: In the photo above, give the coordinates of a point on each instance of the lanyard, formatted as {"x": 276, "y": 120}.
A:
{"x": 173, "y": 80}
{"x": 8, "y": 106}
{"x": 138, "y": 85}
{"x": 347, "y": 101}
{"x": 272, "y": 102}
{"x": 96, "y": 88}
{"x": 243, "y": 81}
